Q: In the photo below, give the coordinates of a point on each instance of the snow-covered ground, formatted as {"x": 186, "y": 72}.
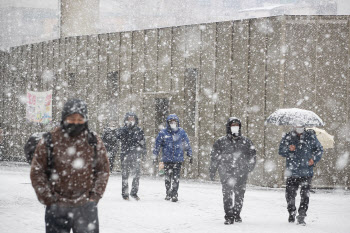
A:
{"x": 199, "y": 208}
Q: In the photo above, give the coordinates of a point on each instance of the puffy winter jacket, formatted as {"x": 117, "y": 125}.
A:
{"x": 232, "y": 155}
{"x": 172, "y": 143}
{"x": 307, "y": 147}
{"x": 78, "y": 174}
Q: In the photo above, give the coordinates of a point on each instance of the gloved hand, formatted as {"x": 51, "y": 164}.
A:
{"x": 191, "y": 160}
{"x": 212, "y": 177}
{"x": 155, "y": 160}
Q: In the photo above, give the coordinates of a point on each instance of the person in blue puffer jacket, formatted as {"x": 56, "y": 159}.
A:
{"x": 173, "y": 141}
{"x": 302, "y": 151}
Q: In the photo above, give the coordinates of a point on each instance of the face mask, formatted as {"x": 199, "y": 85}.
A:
{"x": 74, "y": 129}
{"x": 299, "y": 130}
{"x": 235, "y": 130}
{"x": 173, "y": 126}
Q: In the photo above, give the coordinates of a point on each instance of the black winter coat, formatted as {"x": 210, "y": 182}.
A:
{"x": 130, "y": 140}
{"x": 232, "y": 155}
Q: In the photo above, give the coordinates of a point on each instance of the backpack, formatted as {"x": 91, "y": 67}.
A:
{"x": 30, "y": 146}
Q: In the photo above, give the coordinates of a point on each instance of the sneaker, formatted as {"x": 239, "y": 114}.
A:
{"x": 301, "y": 220}
{"x": 135, "y": 197}
{"x": 174, "y": 199}
{"x": 238, "y": 218}
{"x": 229, "y": 221}
{"x": 167, "y": 198}
{"x": 291, "y": 218}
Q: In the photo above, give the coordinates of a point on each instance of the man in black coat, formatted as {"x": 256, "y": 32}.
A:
{"x": 132, "y": 143}
{"x": 234, "y": 156}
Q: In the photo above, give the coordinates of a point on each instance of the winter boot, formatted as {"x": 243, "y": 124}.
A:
{"x": 238, "y": 218}
{"x": 229, "y": 221}
{"x": 135, "y": 197}
{"x": 126, "y": 198}
{"x": 167, "y": 198}
{"x": 291, "y": 217}
{"x": 174, "y": 199}
{"x": 301, "y": 220}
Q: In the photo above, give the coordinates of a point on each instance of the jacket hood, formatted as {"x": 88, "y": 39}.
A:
{"x": 230, "y": 121}
{"x": 133, "y": 115}
{"x": 75, "y": 106}
{"x": 172, "y": 117}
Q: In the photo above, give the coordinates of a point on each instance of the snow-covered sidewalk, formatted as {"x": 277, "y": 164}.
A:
{"x": 199, "y": 208}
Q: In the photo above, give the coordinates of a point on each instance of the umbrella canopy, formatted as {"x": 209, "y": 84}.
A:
{"x": 295, "y": 117}
{"x": 325, "y": 138}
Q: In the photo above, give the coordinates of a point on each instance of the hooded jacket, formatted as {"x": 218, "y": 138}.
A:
{"x": 232, "y": 154}
{"x": 173, "y": 143}
{"x": 307, "y": 147}
{"x": 130, "y": 138}
{"x": 76, "y": 176}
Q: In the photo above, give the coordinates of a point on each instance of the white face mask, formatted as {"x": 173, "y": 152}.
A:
{"x": 299, "y": 130}
{"x": 130, "y": 123}
{"x": 235, "y": 130}
{"x": 173, "y": 126}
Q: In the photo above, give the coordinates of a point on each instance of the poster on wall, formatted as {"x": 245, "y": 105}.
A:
{"x": 39, "y": 106}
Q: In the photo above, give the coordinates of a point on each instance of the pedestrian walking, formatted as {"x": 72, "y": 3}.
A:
{"x": 234, "y": 156}
{"x": 302, "y": 151}
{"x": 173, "y": 141}
{"x": 132, "y": 143}
{"x": 69, "y": 173}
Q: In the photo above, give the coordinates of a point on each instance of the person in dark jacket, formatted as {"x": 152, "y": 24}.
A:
{"x": 72, "y": 180}
{"x": 132, "y": 143}
{"x": 173, "y": 141}
{"x": 108, "y": 138}
{"x": 302, "y": 151}
{"x": 235, "y": 156}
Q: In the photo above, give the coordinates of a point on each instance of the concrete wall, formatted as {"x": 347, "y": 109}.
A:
{"x": 204, "y": 73}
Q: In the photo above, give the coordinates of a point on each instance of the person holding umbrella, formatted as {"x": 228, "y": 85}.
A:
{"x": 302, "y": 151}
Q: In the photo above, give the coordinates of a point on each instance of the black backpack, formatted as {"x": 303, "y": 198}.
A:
{"x": 30, "y": 146}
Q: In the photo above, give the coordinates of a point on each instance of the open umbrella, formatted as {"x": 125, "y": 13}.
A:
{"x": 325, "y": 138}
{"x": 295, "y": 117}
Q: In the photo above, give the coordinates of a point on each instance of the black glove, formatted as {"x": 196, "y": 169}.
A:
{"x": 155, "y": 161}
{"x": 212, "y": 176}
{"x": 191, "y": 160}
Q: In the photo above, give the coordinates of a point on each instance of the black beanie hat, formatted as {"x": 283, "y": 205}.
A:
{"x": 75, "y": 106}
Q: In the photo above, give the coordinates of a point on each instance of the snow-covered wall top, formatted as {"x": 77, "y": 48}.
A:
{"x": 31, "y": 21}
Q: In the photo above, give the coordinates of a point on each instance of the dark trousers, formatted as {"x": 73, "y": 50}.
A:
{"x": 234, "y": 185}
{"x": 130, "y": 167}
{"x": 172, "y": 178}
{"x": 292, "y": 186}
{"x": 82, "y": 219}
{"x": 111, "y": 159}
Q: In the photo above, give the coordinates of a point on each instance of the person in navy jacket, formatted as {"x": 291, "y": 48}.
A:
{"x": 173, "y": 141}
{"x": 302, "y": 151}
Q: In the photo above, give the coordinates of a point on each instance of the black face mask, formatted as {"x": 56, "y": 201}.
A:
{"x": 74, "y": 129}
